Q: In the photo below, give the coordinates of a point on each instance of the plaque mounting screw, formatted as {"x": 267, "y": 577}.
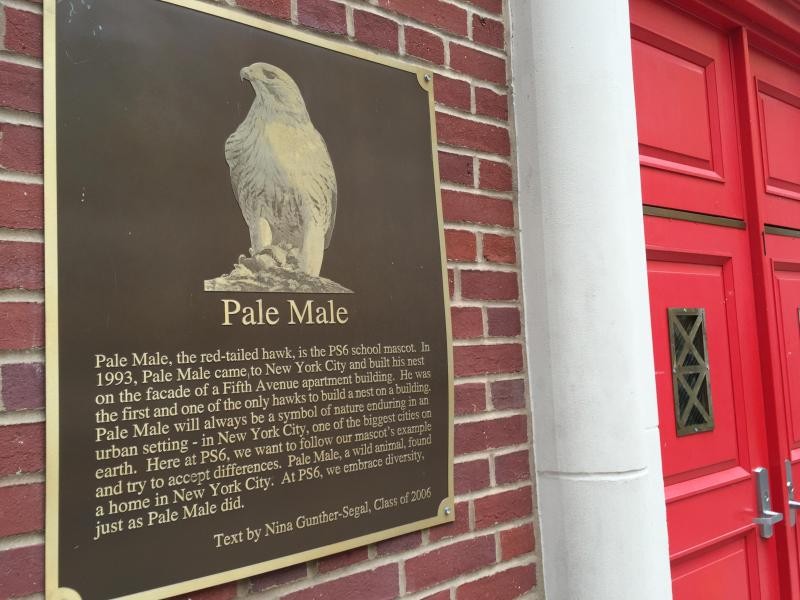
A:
{"x": 427, "y": 76}
{"x": 447, "y": 510}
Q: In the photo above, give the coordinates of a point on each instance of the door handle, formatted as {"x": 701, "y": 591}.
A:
{"x": 793, "y": 504}
{"x": 766, "y": 516}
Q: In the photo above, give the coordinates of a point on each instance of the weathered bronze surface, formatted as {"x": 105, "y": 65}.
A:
{"x": 685, "y": 215}
{"x": 785, "y": 231}
{"x": 177, "y": 387}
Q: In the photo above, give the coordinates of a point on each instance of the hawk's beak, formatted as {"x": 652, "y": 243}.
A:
{"x": 245, "y": 74}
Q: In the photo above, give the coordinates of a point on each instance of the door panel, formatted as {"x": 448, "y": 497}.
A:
{"x": 688, "y": 142}
{"x": 776, "y": 87}
{"x": 678, "y": 84}
{"x": 788, "y": 292}
{"x": 692, "y": 285}
{"x": 721, "y": 576}
{"x": 710, "y": 490}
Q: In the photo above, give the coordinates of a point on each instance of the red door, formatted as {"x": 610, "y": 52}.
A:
{"x": 712, "y": 434}
{"x": 773, "y": 94}
{"x": 715, "y": 340}
{"x": 784, "y": 259}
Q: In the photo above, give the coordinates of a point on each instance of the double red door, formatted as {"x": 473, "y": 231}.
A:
{"x": 718, "y": 111}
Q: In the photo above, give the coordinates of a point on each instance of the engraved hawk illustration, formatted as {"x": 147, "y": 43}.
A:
{"x": 281, "y": 171}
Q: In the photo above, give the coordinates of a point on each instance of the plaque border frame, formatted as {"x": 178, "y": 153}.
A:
{"x": 446, "y": 511}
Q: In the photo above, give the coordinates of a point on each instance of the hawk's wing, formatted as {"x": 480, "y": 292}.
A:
{"x": 303, "y": 160}
{"x": 323, "y": 189}
{"x": 253, "y": 170}
{"x": 288, "y": 166}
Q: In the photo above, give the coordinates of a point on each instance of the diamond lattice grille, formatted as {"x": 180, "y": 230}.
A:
{"x": 690, "y": 373}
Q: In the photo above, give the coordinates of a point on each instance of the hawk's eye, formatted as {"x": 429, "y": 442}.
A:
{"x": 269, "y": 75}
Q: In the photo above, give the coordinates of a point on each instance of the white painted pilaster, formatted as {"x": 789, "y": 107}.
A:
{"x": 597, "y": 454}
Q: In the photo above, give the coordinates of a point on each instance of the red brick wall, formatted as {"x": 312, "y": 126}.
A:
{"x": 489, "y": 552}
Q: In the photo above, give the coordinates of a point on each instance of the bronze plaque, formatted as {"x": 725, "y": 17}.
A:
{"x": 249, "y": 361}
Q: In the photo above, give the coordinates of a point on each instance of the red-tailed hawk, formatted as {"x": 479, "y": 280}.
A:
{"x": 281, "y": 171}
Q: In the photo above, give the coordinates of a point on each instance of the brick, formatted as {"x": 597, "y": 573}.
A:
{"x": 499, "y": 249}
{"x": 343, "y": 559}
{"x": 452, "y": 92}
{"x": 226, "y": 591}
{"x": 449, "y": 562}
{"x": 21, "y": 205}
{"x": 495, "y": 176}
{"x": 424, "y": 45}
{"x": 517, "y": 541}
{"x": 21, "y": 571}
{"x": 21, "y": 449}
{"x": 279, "y": 577}
{"x": 281, "y": 9}
{"x": 21, "y": 87}
{"x": 21, "y": 325}
{"x": 461, "y": 207}
{"x": 463, "y": 133}
{"x": 21, "y": 148}
{"x": 491, "y": 104}
{"x": 467, "y": 322}
{"x": 504, "y": 322}
{"x": 508, "y": 393}
{"x": 488, "y": 31}
{"x": 380, "y": 584}
{"x": 396, "y": 545}
{"x": 23, "y": 32}
{"x": 441, "y": 15}
{"x": 494, "y": 433}
{"x": 483, "y": 360}
{"x": 454, "y": 528}
{"x": 23, "y": 265}
{"x": 478, "y": 64}
{"x": 512, "y": 467}
{"x": 503, "y": 507}
{"x": 489, "y": 285}
{"x": 487, "y": 359}
{"x": 376, "y": 31}
{"x": 495, "y": 6}
{"x": 324, "y": 15}
{"x": 471, "y": 475}
{"x": 505, "y": 585}
{"x": 456, "y": 168}
{"x": 23, "y": 509}
{"x": 470, "y": 398}
{"x": 22, "y": 386}
{"x": 460, "y": 245}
